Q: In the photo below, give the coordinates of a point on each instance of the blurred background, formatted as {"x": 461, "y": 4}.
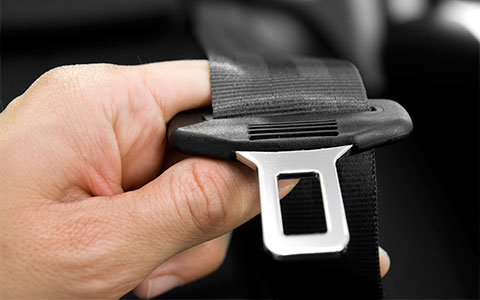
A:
{"x": 421, "y": 53}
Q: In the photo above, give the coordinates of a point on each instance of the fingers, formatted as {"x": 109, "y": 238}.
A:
{"x": 185, "y": 267}
{"x": 384, "y": 261}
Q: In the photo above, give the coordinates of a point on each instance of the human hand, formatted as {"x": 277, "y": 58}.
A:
{"x": 84, "y": 213}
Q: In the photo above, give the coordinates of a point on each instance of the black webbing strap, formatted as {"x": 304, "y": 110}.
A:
{"x": 282, "y": 85}
{"x": 252, "y": 82}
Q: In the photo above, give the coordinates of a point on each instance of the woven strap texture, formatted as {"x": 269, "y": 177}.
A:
{"x": 249, "y": 81}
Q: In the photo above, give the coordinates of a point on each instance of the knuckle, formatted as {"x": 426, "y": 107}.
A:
{"x": 71, "y": 76}
{"x": 58, "y": 75}
{"x": 82, "y": 83}
{"x": 60, "y": 81}
{"x": 206, "y": 193}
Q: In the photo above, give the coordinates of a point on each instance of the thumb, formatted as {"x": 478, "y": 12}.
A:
{"x": 193, "y": 201}
{"x": 199, "y": 199}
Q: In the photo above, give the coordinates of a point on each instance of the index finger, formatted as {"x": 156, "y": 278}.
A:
{"x": 178, "y": 85}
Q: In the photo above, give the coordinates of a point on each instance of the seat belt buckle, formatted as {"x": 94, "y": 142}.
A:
{"x": 292, "y": 146}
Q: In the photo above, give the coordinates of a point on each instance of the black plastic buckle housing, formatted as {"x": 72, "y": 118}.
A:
{"x": 196, "y": 132}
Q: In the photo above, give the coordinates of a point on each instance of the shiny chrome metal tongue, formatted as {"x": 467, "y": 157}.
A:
{"x": 322, "y": 163}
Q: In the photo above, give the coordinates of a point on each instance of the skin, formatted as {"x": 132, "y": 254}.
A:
{"x": 93, "y": 204}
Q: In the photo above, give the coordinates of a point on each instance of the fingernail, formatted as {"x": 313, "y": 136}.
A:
{"x": 162, "y": 284}
{"x": 384, "y": 261}
{"x": 285, "y": 186}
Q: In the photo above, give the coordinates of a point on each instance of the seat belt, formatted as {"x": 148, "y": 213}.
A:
{"x": 264, "y": 84}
